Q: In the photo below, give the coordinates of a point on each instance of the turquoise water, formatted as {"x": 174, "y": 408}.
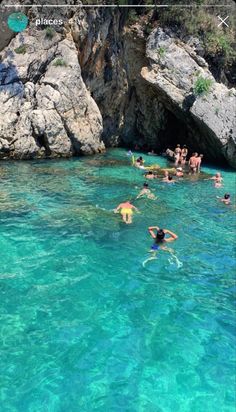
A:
{"x": 84, "y": 326}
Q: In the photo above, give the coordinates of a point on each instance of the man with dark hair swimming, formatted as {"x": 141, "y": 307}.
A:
{"x": 160, "y": 237}
{"x": 226, "y": 199}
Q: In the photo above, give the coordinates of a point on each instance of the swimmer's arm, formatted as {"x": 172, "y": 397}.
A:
{"x": 140, "y": 195}
{"x": 151, "y": 231}
{"x": 173, "y": 235}
{"x": 135, "y": 208}
{"x": 117, "y": 208}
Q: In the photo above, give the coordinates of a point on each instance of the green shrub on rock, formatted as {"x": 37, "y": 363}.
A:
{"x": 59, "y": 63}
{"x": 202, "y": 86}
{"x": 49, "y": 32}
{"x": 21, "y": 49}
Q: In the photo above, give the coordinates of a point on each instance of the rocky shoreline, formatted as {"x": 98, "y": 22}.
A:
{"x": 100, "y": 83}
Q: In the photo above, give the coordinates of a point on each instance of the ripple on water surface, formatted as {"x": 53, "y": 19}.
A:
{"x": 88, "y": 321}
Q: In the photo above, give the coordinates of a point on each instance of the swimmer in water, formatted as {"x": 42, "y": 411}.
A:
{"x": 152, "y": 153}
{"x": 179, "y": 172}
{"x": 226, "y": 199}
{"x": 150, "y": 175}
{"x": 129, "y": 153}
{"x": 159, "y": 236}
{"x": 218, "y": 179}
{"x": 166, "y": 176}
{"x": 146, "y": 192}
{"x": 126, "y": 210}
{"x": 139, "y": 162}
{"x": 169, "y": 180}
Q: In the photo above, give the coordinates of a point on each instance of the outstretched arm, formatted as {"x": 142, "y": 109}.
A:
{"x": 117, "y": 208}
{"x": 172, "y": 237}
{"x": 139, "y": 195}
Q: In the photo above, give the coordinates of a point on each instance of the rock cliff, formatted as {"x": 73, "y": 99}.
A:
{"x": 102, "y": 82}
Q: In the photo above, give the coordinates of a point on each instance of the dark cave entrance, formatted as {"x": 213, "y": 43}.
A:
{"x": 175, "y": 132}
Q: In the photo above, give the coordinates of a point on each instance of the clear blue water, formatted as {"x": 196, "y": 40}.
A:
{"x": 84, "y": 326}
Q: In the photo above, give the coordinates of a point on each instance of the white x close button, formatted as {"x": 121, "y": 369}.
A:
{"x": 223, "y": 21}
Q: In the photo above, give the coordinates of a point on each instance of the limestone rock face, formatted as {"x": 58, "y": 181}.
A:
{"x": 45, "y": 108}
{"x": 173, "y": 71}
{"x": 111, "y": 56}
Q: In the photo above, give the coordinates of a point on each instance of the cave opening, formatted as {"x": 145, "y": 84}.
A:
{"x": 175, "y": 132}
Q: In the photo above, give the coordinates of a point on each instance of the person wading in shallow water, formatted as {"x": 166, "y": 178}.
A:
{"x": 199, "y": 162}
{"x": 126, "y": 210}
{"x": 184, "y": 153}
{"x": 177, "y": 154}
{"x": 193, "y": 162}
{"x": 159, "y": 236}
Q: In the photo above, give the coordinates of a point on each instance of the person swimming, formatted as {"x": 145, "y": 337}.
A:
{"x": 150, "y": 175}
{"x": 139, "y": 162}
{"x": 169, "y": 179}
{"x": 179, "y": 172}
{"x": 160, "y": 237}
{"x": 146, "y": 192}
{"x": 152, "y": 153}
{"x": 126, "y": 210}
{"x": 218, "y": 179}
{"x": 226, "y": 199}
{"x": 166, "y": 176}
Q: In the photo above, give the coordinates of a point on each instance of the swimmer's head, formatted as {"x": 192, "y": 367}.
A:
{"x": 178, "y": 145}
{"x": 145, "y": 185}
{"x": 150, "y": 172}
{"x": 179, "y": 169}
{"x": 184, "y": 146}
{"x": 160, "y": 235}
{"x": 166, "y": 173}
{"x": 196, "y": 154}
{"x": 227, "y": 196}
{"x": 170, "y": 178}
{"x": 201, "y": 155}
{"x": 218, "y": 174}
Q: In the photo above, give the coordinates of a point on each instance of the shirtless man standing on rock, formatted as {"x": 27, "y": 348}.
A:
{"x": 193, "y": 163}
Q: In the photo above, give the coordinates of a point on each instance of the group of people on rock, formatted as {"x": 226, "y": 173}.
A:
{"x": 126, "y": 209}
{"x": 179, "y": 156}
